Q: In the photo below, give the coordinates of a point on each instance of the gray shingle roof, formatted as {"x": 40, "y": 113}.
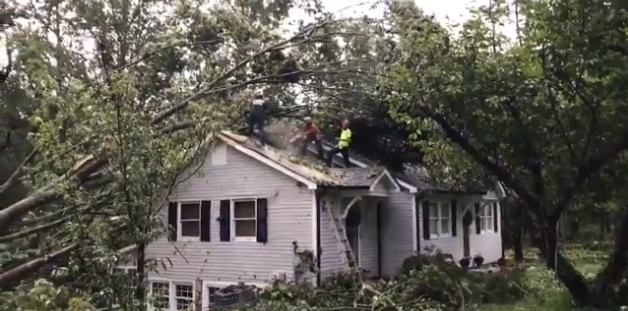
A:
{"x": 357, "y": 176}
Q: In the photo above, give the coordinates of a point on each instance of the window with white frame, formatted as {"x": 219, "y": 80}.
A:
{"x": 487, "y": 218}
{"x": 184, "y": 296}
{"x": 190, "y": 220}
{"x": 244, "y": 215}
{"x": 440, "y": 219}
{"x": 130, "y": 273}
{"x": 160, "y": 295}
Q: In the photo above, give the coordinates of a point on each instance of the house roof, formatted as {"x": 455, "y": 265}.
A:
{"x": 301, "y": 168}
{"x": 358, "y": 176}
{"x": 414, "y": 175}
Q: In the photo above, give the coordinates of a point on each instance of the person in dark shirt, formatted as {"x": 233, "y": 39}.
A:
{"x": 256, "y": 117}
{"x": 311, "y": 133}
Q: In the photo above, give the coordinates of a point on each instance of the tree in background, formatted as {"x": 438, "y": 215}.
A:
{"x": 543, "y": 115}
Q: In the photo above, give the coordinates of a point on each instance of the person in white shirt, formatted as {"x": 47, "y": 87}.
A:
{"x": 256, "y": 117}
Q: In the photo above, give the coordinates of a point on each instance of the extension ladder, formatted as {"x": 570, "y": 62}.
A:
{"x": 346, "y": 252}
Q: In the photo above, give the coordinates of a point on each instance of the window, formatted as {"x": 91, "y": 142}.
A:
{"x": 127, "y": 276}
{"x": 219, "y": 155}
{"x": 244, "y": 219}
{"x": 160, "y": 295}
{"x": 487, "y": 219}
{"x": 209, "y": 294}
{"x": 440, "y": 219}
{"x": 131, "y": 272}
{"x": 190, "y": 221}
{"x": 184, "y": 296}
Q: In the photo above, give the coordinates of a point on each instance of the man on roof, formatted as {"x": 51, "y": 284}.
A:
{"x": 342, "y": 146}
{"x": 310, "y": 133}
{"x": 256, "y": 117}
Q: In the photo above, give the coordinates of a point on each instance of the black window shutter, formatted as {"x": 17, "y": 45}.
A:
{"x": 495, "y": 219}
{"x": 426, "y": 220}
{"x": 262, "y": 220}
{"x": 206, "y": 207}
{"x": 478, "y": 228}
{"x": 225, "y": 220}
{"x": 417, "y": 214}
{"x": 172, "y": 220}
{"x": 454, "y": 218}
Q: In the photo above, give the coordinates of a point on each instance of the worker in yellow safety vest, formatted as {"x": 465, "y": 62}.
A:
{"x": 343, "y": 144}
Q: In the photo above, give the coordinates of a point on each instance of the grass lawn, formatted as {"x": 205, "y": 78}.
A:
{"x": 547, "y": 294}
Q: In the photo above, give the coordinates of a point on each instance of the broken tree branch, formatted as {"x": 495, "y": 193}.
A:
{"x": 25, "y": 269}
{"x": 14, "y": 177}
{"x": 278, "y": 46}
{"x": 46, "y": 217}
{"x": 90, "y": 164}
{"x": 78, "y": 174}
{"x": 32, "y": 230}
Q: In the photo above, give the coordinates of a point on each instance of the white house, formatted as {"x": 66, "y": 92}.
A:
{"x": 248, "y": 213}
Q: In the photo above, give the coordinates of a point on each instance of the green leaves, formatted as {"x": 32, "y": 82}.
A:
{"x": 544, "y": 115}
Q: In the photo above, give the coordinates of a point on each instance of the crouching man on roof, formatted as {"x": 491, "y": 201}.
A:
{"x": 310, "y": 133}
{"x": 343, "y": 144}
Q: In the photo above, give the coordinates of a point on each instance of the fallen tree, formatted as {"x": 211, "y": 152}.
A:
{"x": 104, "y": 157}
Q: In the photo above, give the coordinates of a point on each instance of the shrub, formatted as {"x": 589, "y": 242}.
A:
{"x": 503, "y": 287}
{"x": 339, "y": 293}
{"x": 435, "y": 276}
{"x": 430, "y": 256}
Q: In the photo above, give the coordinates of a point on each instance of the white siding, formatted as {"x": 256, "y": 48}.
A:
{"x": 488, "y": 244}
{"x": 450, "y": 245}
{"x": 397, "y": 233}
{"x": 368, "y": 236}
{"x": 289, "y": 219}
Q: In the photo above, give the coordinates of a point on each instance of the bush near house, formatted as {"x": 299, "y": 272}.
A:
{"x": 430, "y": 281}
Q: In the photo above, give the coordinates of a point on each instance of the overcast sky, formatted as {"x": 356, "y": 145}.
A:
{"x": 455, "y": 10}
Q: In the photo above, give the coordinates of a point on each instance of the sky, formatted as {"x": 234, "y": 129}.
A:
{"x": 454, "y": 10}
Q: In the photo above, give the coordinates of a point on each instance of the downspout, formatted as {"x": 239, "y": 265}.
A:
{"x": 378, "y": 224}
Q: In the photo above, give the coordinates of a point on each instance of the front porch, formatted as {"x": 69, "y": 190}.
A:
{"x": 358, "y": 210}
{"x": 360, "y": 216}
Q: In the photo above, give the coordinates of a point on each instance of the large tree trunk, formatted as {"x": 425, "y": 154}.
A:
{"x": 516, "y": 231}
{"x": 140, "y": 285}
{"x": 516, "y": 238}
{"x": 615, "y": 269}
{"x": 573, "y": 280}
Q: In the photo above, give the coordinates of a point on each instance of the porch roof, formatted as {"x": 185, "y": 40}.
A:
{"x": 359, "y": 176}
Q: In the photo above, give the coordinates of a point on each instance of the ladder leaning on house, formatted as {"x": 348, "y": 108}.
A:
{"x": 346, "y": 252}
